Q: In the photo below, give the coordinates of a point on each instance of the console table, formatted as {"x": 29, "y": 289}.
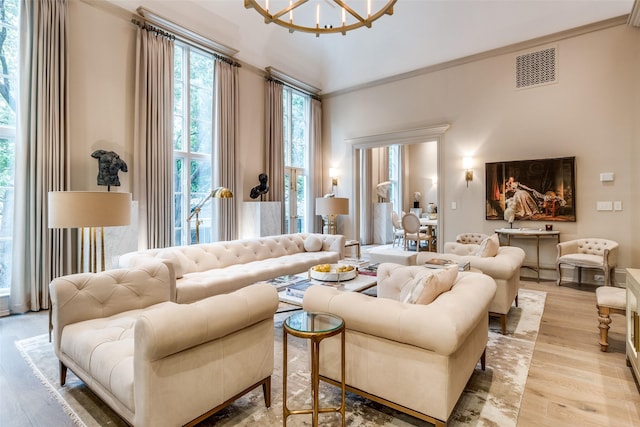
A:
{"x": 529, "y": 233}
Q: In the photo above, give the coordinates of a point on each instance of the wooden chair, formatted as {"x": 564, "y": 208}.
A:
{"x": 411, "y": 227}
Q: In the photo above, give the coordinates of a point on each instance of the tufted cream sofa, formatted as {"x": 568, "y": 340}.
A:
{"x": 504, "y": 268}
{"x": 155, "y": 362}
{"x": 414, "y": 358}
{"x": 208, "y": 269}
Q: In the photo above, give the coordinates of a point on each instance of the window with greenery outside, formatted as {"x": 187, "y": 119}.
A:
{"x": 9, "y": 46}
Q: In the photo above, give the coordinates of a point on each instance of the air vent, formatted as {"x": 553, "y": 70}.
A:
{"x": 537, "y": 68}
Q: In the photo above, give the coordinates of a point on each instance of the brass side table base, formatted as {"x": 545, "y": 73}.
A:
{"x": 315, "y": 327}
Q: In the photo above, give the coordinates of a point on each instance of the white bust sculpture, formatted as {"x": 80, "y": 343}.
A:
{"x": 382, "y": 190}
{"x": 509, "y": 212}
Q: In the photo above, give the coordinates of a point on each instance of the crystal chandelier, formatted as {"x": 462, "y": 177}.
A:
{"x": 321, "y": 16}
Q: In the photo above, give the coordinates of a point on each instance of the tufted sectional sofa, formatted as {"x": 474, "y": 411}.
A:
{"x": 208, "y": 269}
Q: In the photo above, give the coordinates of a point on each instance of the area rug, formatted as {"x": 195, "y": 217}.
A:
{"x": 491, "y": 398}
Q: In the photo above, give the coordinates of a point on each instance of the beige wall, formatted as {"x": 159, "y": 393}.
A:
{"x": 591, "y": 113}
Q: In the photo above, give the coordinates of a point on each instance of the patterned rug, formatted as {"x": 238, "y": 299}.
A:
{"x": 491, "y": 398}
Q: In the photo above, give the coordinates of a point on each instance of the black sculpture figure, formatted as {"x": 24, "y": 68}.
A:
{"x": 262, "y": 189}
{"x": 109, "y": 164}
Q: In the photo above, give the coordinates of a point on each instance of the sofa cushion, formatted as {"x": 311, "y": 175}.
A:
{"x": 312, "y": 244}
{"x": 427, "y": 288}
{"x": 489, "y": 246}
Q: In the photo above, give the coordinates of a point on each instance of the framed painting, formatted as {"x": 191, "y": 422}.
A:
{"x": 534, "y": 190}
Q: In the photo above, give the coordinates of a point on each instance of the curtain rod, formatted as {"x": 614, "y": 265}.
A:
{"x": 148, "y": 27}
{"x": 219, "y": 51}
{"x": 311, "y": 95}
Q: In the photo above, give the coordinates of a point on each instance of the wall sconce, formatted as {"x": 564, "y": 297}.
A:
{"x": 333, "y": 173}
{"x": 467, "y": 164}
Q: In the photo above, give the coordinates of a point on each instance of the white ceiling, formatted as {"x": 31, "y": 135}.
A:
{"x": 420, "y": 33}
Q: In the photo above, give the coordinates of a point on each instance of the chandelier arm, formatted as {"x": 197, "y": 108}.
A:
{"x": 317, "y": 30}
{"x": 291, "y": 7}
{"x": 353, "y": 12}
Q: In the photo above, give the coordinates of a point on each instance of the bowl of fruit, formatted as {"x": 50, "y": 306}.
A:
{"x": 333, "y": 272}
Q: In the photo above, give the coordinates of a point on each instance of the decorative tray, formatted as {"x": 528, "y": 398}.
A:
{"x": 333, "y": 272}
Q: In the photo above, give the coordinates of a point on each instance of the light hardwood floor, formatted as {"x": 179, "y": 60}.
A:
{"x": 571, "y": 382}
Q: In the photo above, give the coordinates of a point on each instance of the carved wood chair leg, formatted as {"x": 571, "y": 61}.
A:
{"x": 63, "y": 373}
{"x": 503, "y": 323}
{"x": 266, "y": 390}
{"x": 483, "y": 359}
{"x": 516, "y": 300}
{"x": 603, "y": 317}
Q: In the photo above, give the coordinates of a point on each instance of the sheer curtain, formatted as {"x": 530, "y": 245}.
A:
{"x": 153, "y": 139}
{"x": 315, "y": 161}
{"x": 42, "y": 153}
{"x": 274, "y": 152}
{"x": 227, "y": 133}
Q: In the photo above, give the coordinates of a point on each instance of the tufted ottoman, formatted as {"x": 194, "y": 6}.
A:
{"x": 609, "y": 300}
{"x": 377, "y": 256}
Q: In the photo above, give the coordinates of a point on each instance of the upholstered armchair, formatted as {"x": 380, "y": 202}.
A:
{"x": 470, "y": 238}
{"x": 595, "y": 253}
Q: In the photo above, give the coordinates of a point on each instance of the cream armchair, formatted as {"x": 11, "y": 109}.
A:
{"x": 503, "y": 267}
{"x": 155, "y": 362}
{"x": 589, "y": 253}
{"x": 470, "y": 238}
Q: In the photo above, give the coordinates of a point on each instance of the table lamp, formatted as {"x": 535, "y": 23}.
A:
{"x": 89, "y": 209}
{"x": 329, "y": 208}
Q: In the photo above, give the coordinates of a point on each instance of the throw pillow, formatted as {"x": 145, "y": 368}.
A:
{"x": 312, "y": 244}
{"x": 441, "y": 281}
{"x": 489, "y": 246}
{"x": 415, "y": 288}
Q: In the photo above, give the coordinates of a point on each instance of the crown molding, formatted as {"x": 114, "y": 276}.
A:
{"x": 512, "y": 48}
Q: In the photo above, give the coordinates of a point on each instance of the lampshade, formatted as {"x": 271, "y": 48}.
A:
{"x": 332, "y": 206}
{"x": 76, "y": 209}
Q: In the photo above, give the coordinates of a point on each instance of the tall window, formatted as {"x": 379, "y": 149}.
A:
{"x": 296, "y": 160}
{"x": 9, "y": 46}
{"x": 193, "y": 144}
{"x": 395, "y": 176}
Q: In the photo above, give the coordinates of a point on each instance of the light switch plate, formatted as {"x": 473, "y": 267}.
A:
{"x": 604, "y": 206}
{"x": 607, "y": 176}
{"x": 617, "y": 205}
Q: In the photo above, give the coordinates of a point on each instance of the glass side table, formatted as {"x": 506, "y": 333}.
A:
{"x": 315, "y": 327}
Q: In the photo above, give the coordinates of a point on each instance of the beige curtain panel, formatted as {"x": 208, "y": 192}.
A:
{"x": 153, "y": 139}
{"x": 42, "y": 155}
